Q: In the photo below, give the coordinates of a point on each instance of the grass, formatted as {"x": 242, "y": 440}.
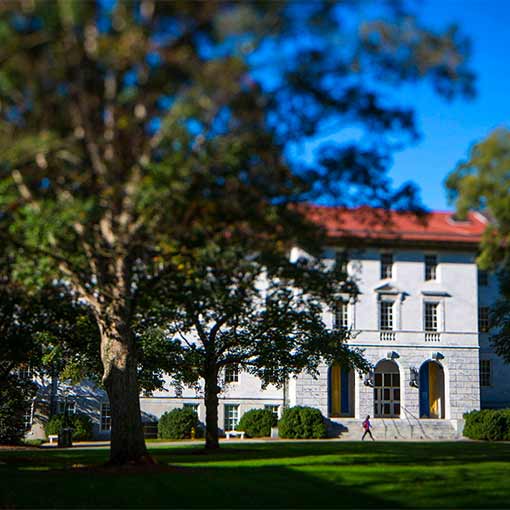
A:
{"x": 266, "y": 475}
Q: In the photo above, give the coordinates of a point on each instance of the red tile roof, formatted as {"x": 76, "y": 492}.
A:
{"x": 378, "y": 224}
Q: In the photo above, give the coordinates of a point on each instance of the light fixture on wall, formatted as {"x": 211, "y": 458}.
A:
{"x": 369, "y": 379}
{"x": 392, "y": 355}
{"x": 437, "y": 356}
{"x": 414, "y": 379}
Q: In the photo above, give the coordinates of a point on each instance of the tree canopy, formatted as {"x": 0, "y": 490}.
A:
{"x": 130, "y": 129}
{"x": 227, "y": 307}
{"x": 482, "y": 183}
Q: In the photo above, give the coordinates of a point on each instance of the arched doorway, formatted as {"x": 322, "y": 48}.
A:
{"x": 386, "y": 390}
{"x": 341, "y": 391}
{"x": 432, "y": 390}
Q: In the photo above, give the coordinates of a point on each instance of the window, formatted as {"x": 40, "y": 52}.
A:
{"x": 232, "y": 374}
{"x": 430, "y": 267}
{"x": 231, "y": 416}
{"x": 71, "y": 407}
{"x": 178, "y": 389}
{"x": 386, "y": 315}
{"x": 485, "y": 372}
{"x": 341, "y": 317}
{"x": 25, "y": 372}
{"x": 431, "y": 316}
{"x": 483, "y": 319}
{"x": 28, "y": 417}
{"x": 342, "y": 261}
{"x": 273, "y": 408}
{"x": 386, "y": 265}
{"x": 193, "y": 407}
{"x": 483, "y": 278}
{"x": 106, "y": 416}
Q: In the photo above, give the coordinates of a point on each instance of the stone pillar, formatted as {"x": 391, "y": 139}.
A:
{"x": 313, "y": 392}
{"x": 364, "y": 398}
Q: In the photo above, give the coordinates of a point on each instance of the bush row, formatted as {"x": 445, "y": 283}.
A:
{"x": 488, "y": 424}
{"x": 80, "y": 423}
{"x": 296, "y": 422}
{"x": 178, "y": 424}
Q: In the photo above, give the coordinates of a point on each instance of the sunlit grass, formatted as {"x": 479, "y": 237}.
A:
{"x": 266, "y": 475}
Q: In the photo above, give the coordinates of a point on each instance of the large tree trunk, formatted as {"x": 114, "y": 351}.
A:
{"x": 211, "y": 408}
{"x": 120, "y": 380}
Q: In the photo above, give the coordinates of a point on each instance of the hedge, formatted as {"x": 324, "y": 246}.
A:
{"x": 80, "y": 423}
{"x": 488, "y": 424}
{"x": 257, "y": 422}
{"x": 177, "y": 424}
{"x": 302, "y": 423}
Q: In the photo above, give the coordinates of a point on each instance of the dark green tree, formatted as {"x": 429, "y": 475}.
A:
{"x": 113, "y": 112}
{"x": 481, "y": 183}
{"x": 46, "y": 333}
{"x": 228, "y": 307}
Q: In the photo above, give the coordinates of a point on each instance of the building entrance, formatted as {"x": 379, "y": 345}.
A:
{"x": 386, "y": 390}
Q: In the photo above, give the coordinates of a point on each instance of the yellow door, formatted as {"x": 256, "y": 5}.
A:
{"x": 435, "y": 390}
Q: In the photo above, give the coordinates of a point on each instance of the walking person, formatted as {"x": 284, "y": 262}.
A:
{"x": 366, "y": 427}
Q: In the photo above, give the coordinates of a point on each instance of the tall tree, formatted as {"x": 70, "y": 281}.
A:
{"x": 112, "y": 112}
{"x": 227, "y": 306}
{"x": 481, "y": 183}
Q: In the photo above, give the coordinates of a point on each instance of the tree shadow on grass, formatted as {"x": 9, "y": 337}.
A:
{"x": 214, "y": 487}
{"x": 319, "y": 475}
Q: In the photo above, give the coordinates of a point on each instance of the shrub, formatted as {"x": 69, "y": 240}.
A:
{"x": 80, "y": 423}
{"x": 488, "y": 424}
{"x": 302, "y": 423}
{"x": 177, "y": 424}
{"x": 257, "y": 422}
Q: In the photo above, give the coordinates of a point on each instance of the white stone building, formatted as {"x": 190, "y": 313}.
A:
{"x": 420, "y": 316}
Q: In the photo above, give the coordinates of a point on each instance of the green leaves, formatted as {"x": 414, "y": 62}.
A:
{"x": 482, "y": 183}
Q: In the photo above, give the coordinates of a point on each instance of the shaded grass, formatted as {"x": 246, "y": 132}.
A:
{"x": 269, "y": 475}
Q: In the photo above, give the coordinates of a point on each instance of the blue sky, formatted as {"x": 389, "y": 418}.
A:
{"x": 449, "y": 129}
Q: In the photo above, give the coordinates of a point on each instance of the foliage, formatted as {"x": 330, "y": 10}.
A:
{"x": 382, "y": 474}
{"x": 257, "y": 422}
{"x": 481, "y": 183}
{"x": 80, "y": 423}
{"x": 244, "y": 304}
{"x": 131, "y": 131}
{"x": 16, "y": 396}
{"x": 488, "y": 424}
{"x": 302, "y": 423}
{"x": 33, "y": 442}
{"x": 178, "y": 424}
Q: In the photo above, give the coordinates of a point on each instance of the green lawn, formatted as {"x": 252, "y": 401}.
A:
{"x": 267, "y": 475}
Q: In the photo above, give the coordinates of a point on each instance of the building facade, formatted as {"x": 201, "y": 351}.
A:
{"x": 421, "y": 317}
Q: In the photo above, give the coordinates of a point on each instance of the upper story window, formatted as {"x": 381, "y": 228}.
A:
{"x": 386, "y": 315}
{"x": 430, "y": 267}
{"x": 483, "y": 278}
{"x": 485, "y": 372}
{"x": 386, "y": 265}
{"x": 431, "y": 316}
{"x": 342, "y": 260}
{"x": 341, "y": 315}
{"x": 232, "y": 373}
{"x": 483, "y": 319}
